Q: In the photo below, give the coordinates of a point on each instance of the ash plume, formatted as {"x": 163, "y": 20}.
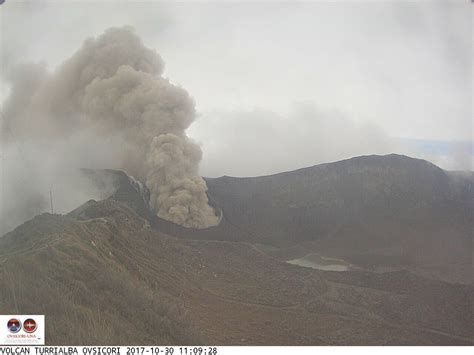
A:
{"x": 112, "y": 89}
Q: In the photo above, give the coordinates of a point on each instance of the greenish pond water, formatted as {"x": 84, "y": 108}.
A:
{"x": 316, "y": 261}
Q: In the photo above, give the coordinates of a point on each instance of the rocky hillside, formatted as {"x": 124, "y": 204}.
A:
{"x": 111, "y": 266}
{"x": 375, "y": 211}
{"x": 104, "y": 269}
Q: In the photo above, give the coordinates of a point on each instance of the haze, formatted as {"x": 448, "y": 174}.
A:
{"x": 277, "y": 86}
{"x": 404, "y": 67}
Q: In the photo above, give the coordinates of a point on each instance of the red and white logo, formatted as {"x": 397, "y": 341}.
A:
{"x": 29, "y": 325}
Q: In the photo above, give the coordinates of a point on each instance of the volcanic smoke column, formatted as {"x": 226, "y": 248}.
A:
{"x": 113, "y": 86}
{"x": 123, "y": 91}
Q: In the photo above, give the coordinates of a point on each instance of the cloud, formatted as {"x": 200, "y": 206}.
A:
{"x": 262, "y": 142}
{"x": 374, "y": 77}
{"x": 112, "y": 87}
{"x": 404, "y": 66}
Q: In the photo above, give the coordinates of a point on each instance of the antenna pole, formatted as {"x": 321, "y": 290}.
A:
{"x": 2, "y": 198}
{"x": 51, "y": 200}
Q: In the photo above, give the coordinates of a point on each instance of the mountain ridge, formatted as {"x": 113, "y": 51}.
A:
{"x": 106, "y": 269}
{"x": 110, "y": 265}
{"x": 385, "y": 206}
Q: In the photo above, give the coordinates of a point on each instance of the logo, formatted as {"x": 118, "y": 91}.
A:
{"x": 24, "y": 329}
{"x": 29, "y": 325}
{"x": 14, "y": 325}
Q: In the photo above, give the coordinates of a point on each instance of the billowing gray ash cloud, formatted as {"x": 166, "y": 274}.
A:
{"x": 112, "y": 88}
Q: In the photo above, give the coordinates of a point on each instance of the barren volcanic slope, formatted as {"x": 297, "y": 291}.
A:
{"x": 378, "y": 212}
{"x": 105, "y": 270}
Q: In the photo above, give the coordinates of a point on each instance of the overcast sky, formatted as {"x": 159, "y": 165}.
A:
{"x": 280, "y": 86}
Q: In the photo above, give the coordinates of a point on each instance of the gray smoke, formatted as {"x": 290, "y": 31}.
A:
{"x": 112, "y": 88}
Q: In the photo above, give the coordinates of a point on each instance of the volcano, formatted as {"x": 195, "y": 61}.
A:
{"x": 110, "y": 266}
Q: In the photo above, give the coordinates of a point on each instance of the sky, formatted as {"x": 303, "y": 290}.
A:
{"x": 280, "y": 86}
